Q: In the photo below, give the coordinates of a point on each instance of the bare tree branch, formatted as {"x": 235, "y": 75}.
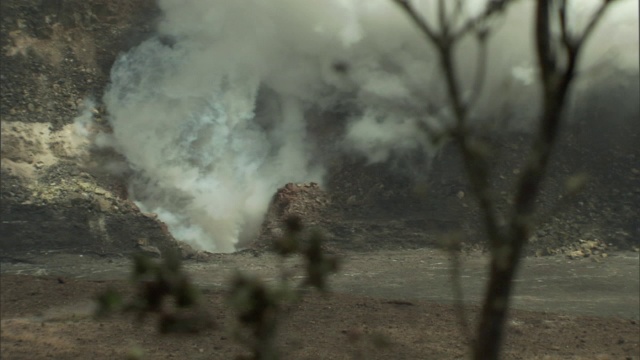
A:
{"x": 418, "y": 21}
{"x": 481, "y": 69}
{"x": 564, "y": 27}
{"x": 475, "y": 163}
{"x": 457, "y": 12}
{"x": 557, "y": 62}
{"x": 595, "y": 19}
{"x": 494, "y": 7}
{"x": 442, "y": 17}
{"x": 556, "y": 83}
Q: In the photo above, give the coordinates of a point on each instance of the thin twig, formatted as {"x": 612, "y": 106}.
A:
{"x": 494, "y": 7}
{"x": 418, "y": 21}
{"x": 458, "y": 295}
{"x": 457, "y": 12}
{"x": 442, "y": 18}
{"x": 481, "y": 69}
{"x": 564, "y": 26}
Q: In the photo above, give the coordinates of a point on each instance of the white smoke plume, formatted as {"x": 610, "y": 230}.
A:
{"x": 183, "y": 105}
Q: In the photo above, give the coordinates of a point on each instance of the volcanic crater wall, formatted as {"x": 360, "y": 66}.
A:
{"x": 56, "y": 56}
{"x": 59, "y": 192}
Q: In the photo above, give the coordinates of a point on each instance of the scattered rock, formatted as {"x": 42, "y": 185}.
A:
{"x": 150, "y": 250}
{"x": 586, "y": 248}
{"x": 152, "y": 216}
{"x": 577, "y": 254}
{"x": 187, "y": 251}
{"x": 104, "y": 204}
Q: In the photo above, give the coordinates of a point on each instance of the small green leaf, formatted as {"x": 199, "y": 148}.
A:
{"x": 142, "y": 265}
{"x": 108, "y": 302}
{"x": 576, "y": 183}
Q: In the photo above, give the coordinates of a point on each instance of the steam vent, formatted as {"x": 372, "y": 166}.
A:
{"x": 120, "y": 128}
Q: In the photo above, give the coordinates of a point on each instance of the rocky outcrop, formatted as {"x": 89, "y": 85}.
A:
{"x": 307, "y": 202}
{"x": 56, "y": 56}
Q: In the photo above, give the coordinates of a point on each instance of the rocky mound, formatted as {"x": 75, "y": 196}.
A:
{"x": 307, "y": 202}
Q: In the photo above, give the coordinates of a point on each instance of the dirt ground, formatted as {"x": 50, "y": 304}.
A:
{"x": 43, "y": 319}
{"x": 50, "y": 316}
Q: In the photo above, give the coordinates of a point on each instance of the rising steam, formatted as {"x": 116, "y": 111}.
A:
{"x": 206, "y": 159}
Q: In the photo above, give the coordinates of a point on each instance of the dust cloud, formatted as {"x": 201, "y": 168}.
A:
{"x": 207, "y": 159}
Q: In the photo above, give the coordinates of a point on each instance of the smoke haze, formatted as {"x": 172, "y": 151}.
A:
{"x": 183, "y": 105}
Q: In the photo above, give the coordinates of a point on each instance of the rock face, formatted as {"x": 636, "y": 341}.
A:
{"x": 56, "y": 55}
{"x": 306, "y": 200}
